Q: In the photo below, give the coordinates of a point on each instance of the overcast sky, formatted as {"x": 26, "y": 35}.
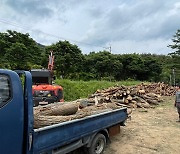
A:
{"x": 128, "y": 26}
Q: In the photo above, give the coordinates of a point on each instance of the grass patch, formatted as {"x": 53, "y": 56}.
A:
{"x": 81, "y": 89}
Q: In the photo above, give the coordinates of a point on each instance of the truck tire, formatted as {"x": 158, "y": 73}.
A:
{"x": 98, "y": 144}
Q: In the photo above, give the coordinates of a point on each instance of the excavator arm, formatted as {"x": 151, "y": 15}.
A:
{"x": 51, "y": 62}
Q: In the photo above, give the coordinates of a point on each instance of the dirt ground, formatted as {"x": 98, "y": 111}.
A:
{"x": 149, "y": 131}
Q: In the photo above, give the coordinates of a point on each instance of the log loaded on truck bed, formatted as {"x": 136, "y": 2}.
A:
{"x": 17, "y": 133}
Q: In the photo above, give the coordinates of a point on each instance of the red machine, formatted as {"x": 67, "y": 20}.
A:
{"x": 44, "y": 92}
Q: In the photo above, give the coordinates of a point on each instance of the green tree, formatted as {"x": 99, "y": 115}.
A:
{"x": 164, "y": 62}
{"x": 17, "y": 56}
{"x": 103, "y": 65}
{"x": 175, "y": 56}
{"x": 12, "y": 40}
{"x": 68, "y": 59}
{"x": 141, "y": 67}
{"x": 152, "y": 69}
{"x": 133, "y": 66}
{"x": 176, "y": 43}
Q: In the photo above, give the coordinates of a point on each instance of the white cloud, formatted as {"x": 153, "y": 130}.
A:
{"x": 155, "y": 46}
{"x": 129, "y": 26}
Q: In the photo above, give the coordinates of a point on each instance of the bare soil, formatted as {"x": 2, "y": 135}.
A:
{"x": 149, "y": 131}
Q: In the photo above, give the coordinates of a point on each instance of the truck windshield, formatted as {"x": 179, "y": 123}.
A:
{"x": 5, "y": 90}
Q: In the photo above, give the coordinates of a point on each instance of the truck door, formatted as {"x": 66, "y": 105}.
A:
{"x": 11, "y": 113}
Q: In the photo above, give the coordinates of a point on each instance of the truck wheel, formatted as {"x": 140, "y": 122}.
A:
{"x": 98, "y": 144}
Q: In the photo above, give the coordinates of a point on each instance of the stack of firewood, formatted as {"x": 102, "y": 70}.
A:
{"x": 130, "y": 96}
{"x": 143, "y": 95}
{"x": 159, "y": 88}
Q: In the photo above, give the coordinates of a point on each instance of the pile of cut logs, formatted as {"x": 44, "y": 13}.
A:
{"x": 130, "y": 96}
{"x": 159, "y": 88}
{"x": 142, "y": 96}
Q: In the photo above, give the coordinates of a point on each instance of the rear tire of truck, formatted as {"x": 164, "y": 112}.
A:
{"x": 98, "y": 144}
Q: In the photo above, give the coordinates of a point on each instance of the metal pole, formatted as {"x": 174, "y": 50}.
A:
{"x": 174, "y": 78}
{"x": 170, "y": 79}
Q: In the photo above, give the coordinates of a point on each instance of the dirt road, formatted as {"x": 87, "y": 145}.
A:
{"x": 154, "y": 131}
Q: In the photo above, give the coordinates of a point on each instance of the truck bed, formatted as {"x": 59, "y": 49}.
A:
{"x": 54, "y": 136}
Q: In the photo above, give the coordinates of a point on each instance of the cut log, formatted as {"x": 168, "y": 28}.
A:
{"x": 122, "y": 105}
{"x": 146, "y": 105}
{"x": 128, "y": 92}
{"x": 57, "y": 109}
{"x": 139, "y": 99}
{"x": 133, "y": 101}
{"x": 139, "y": 105}
{"x": 151, "y": 101}
{"x": 141, "y": 91}
{"x": 132, "y": 105}
{"x": 126, "y": 101}
{"x": 143, "y": 105}
{"x": 41, "y": 121}
{"x": 118, "y": 100}
{"x": 129, "y": 98}
{"x": 83, "y": 104}
{"x": 153, "y": 95}
{"x": 133, "y": 92}
{"x": 96, "y": 100}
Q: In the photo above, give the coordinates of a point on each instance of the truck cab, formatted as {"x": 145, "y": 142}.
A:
{"x": 15, "y": 106}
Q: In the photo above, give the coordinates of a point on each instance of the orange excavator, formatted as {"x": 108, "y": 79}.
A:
{"x": 44, "y": 92}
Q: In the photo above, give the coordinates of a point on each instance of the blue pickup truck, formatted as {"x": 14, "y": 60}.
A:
{"x": 18, "y": 136}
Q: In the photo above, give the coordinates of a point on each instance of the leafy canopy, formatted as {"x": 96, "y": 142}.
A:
{"x": 18, "y": 51}
{"x": 176, "y": 43}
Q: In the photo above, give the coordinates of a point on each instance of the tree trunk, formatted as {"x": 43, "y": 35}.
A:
{"x": 57, "y": 109}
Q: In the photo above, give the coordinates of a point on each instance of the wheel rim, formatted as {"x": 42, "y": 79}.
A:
{"x": 99, "y": 146}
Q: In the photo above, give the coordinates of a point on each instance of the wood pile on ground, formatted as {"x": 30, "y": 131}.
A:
{"x": 140, "y": 96}
{"x": 159, "y": 88}
{"x": 129, "y": 96}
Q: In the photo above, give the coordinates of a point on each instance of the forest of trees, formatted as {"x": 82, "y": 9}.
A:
{"x": 20, "y": 51}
